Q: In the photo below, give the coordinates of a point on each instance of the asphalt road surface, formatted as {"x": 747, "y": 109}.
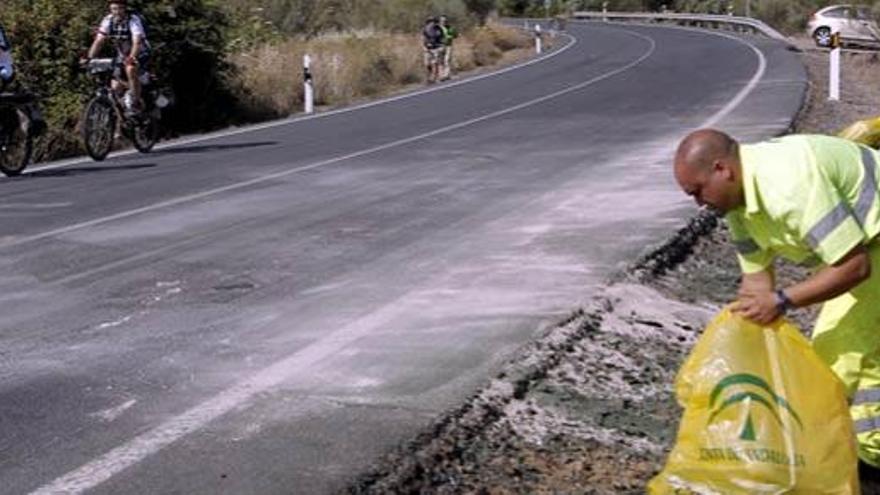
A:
{"x": 269, "y": 311}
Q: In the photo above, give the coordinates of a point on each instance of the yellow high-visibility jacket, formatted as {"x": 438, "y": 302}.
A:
{"x": 812, "y": 199}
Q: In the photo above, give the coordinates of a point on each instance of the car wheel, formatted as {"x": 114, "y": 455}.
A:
{"x": 822, "y": 36}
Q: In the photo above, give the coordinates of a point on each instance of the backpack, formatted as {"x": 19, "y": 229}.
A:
{"x": 433, "y": 35}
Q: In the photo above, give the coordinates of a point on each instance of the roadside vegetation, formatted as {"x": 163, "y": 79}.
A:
{"x": 240, "y": 61}
{"x": 355, "y": 65}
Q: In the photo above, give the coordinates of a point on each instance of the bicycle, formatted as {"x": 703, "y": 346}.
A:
{"x": 16, "y": 139}
{"x": 106, "y": 110}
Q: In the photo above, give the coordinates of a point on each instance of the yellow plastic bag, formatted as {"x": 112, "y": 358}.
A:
{"x": 762, "y": 414}
{"x": 863, "y": 131}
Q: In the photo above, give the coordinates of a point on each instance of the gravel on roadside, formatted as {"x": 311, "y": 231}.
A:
{"x": 588, "y": 407}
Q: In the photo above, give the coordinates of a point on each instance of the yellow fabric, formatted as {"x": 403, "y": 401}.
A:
{"x": 863, "y": 131}
{"x": 794, "y": 186}
{"x": 762, "y": 415}
{"x": 847, "y": 337}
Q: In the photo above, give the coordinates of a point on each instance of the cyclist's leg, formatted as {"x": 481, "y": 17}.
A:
{"x": 134, "y": 82}
{"x": 143, "y": 62}
{"x": 119, "y": 81}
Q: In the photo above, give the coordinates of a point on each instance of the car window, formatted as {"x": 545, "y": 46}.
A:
{"x": 863, "y": 15}
{"x": 839, "y": 12}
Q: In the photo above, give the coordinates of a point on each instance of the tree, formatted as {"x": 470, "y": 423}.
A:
{"x": 480, "y": 8}
{"x": 514, "y": 7}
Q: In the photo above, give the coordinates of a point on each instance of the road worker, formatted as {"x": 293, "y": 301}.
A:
{"x": 812, "y": 200}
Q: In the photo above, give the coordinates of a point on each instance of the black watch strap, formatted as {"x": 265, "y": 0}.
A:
{"x": 783, "y": 303}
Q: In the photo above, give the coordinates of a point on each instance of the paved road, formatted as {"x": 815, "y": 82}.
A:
{"x": 269, "y": 311}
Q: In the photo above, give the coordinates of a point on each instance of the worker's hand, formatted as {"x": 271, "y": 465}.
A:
{"x": 759, "y": 306}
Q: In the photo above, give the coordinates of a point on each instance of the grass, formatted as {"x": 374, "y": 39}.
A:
{"x": 361, "y": 64}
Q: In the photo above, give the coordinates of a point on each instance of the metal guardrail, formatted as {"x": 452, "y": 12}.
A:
{"x": 699, "y": 20}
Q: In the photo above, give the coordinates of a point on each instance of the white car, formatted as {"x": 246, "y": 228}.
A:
{"x": 855, "y": 24}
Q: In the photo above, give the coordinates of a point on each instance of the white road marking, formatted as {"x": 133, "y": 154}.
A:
{"x": 105, "y": 467}
{"x": 111, "y": 414}
{"x": 33, "y": 206}
{"x": 753, "y": 83}
{"x": 115, "y": 323}
{"x": 115, "y": 461}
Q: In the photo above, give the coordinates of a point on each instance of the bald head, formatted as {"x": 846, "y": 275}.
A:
{"x": 707, "y": 168}
{"x": 700, "y": 149}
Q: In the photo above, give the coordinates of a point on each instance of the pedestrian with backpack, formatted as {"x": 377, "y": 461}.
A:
{"x": 432, "y": 42}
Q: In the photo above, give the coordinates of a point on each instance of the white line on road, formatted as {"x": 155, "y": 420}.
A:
{"x": 756, "y": 78}
{"x": 105, "y": 467}
{"x": 34, "y": 206}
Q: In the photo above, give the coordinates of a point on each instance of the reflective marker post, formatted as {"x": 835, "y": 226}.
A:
{"x": 309, "y": 93}
{"x": 834, "y": 69}
{"x": 538, "y": 46}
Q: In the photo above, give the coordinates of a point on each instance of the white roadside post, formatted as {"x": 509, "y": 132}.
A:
{"x": 309, "y": 93}
{"x": 538, "y": 46}
{"x": 604, "y": 11}
{"x": 834, "y": 69}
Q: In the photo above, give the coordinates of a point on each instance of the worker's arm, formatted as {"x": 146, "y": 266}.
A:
{"x": 758, "y": 301}
{"x": 833, "y": 280}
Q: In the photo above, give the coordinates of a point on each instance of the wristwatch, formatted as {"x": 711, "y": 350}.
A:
{"x": 783, "y": 303}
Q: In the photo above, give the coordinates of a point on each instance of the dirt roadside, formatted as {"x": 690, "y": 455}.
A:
{"x": 588, "y": 408}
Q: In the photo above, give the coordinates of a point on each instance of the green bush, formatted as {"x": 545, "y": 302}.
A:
{"x": 50, "y": 36}
{"x": 190, "y": 48}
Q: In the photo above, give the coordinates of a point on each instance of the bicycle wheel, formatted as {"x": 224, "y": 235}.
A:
{"x": 99, "y": 126}
{"x": 146, "y": 133}
{"x": 16, "y": 145}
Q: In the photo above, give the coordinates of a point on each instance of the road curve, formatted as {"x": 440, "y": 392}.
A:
{"x": 270, "y": 311}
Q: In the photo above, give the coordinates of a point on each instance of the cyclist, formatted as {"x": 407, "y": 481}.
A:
{"x": 35, "y": 122}
{"x": 126, "y": 31}
{"x": 432, "y": 41}
{"x": 7, "y": 70}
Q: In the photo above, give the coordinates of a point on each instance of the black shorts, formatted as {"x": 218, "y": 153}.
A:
{"x": 143, "y": 60}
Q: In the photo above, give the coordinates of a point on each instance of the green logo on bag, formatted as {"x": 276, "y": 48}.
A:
{"x": 764, "y": 396}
